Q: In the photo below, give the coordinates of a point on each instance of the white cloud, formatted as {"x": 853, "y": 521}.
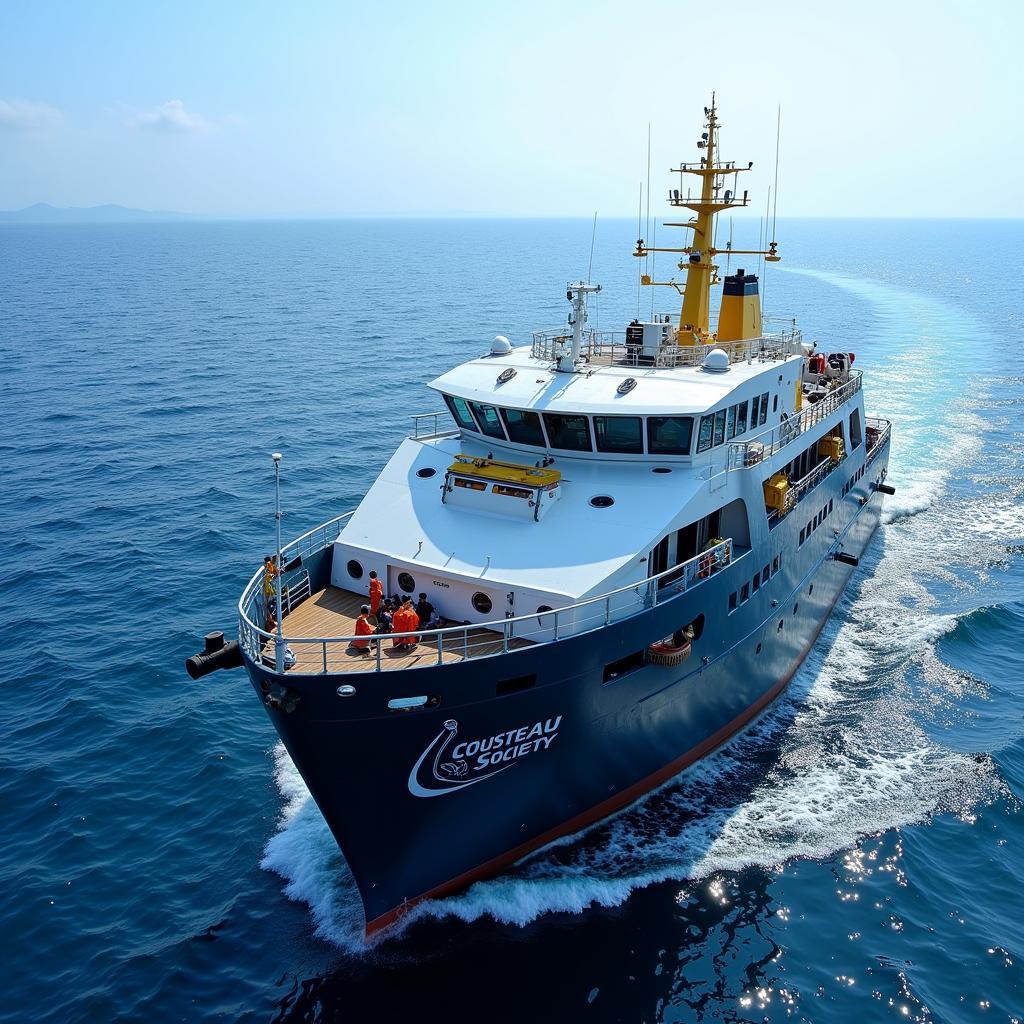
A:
{"x": 169, "y": 117}
{"x": 27, "y": 115}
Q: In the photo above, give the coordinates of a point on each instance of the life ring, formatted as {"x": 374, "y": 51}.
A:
{"x": 668, "y": 651}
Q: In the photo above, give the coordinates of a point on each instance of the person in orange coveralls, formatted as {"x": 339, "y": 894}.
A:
{"x": 376, "y": 592}
{"x": 363, "y": 628}
{"x": 405, "y": 621}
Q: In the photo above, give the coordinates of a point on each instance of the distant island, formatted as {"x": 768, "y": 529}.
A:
{"x": 44, "y": 213}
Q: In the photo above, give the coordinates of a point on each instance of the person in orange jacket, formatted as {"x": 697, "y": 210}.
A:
{"x": 376, "y": 592}
{"x": 405, "y": 621}
{"x": 363, "y": 628}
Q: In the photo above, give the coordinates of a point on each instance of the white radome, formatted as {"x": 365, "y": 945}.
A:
{"x": 716, "y": 361}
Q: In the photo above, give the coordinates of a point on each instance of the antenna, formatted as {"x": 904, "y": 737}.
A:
{"x": 648, "y": 232}
{"x": 778, "y": 132}
{"x": 593, "y": 238}
{"x": 639, "y": 228}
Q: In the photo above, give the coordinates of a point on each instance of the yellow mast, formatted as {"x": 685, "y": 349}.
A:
{"x": 698, "y": 261}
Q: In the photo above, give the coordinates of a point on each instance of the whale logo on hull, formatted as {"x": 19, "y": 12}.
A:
{"x": 454, "y": 767}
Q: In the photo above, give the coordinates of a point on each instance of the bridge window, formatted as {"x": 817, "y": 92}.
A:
{"x": 719, "y": 426}
{"x": 523, "y": 427}
{"x": 741, "y": 418}
{"x": 487, "y": 417}
{"x": 730, "y": 423}
{"x": 763, "y": 417}
{"x": 460, "y": 413}
{"x": 707, "y": 426}
{"x": 620, "y": 434}
{"x": 671, "y": 435}
{"x": 569, "y": 432}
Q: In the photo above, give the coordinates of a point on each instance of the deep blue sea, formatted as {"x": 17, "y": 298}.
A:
{"x": 856, "y": 856}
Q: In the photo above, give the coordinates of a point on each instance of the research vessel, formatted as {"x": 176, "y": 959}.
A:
{"x": 631, "y": 539}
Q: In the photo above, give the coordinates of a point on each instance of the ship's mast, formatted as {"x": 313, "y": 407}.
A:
{"x": 697, "y": 259}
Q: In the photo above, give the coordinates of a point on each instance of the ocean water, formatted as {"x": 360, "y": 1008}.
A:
{"x": 856, "y": 855}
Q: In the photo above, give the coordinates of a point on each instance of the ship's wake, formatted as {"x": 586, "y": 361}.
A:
{"x": 843, "y": 755}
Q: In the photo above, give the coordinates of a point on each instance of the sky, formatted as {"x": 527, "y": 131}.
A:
{"x": 511, "y": 109}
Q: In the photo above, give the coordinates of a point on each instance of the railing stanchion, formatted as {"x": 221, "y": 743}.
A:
{"x": 325, "y": 657}
{"x": 607, "y": 610}
{"x": 440, "y": 644}
{"x": 380, "y": 648}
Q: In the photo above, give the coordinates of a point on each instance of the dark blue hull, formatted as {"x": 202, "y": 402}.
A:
{"x": 423, "y": 802}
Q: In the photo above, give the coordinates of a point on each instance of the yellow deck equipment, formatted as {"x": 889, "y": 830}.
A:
{"x": 775, "y": 489}
{"x": 504, "y": 472}
{"x": 831, "y": 447}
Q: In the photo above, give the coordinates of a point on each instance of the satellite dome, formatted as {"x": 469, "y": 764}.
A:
{"x": 500, "y": 345}
{"x": 716, "y": 361}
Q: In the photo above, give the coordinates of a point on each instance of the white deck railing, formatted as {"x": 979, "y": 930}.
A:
{"x": 481, "y": 639}
{"x": 607, "y": 348}
{"x": 768, "y": 442}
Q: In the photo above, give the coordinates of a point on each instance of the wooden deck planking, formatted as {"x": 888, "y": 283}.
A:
{"x": 333, "y": 612}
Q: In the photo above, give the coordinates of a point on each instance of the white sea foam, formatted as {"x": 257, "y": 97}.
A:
{"x": 841, "y": 757}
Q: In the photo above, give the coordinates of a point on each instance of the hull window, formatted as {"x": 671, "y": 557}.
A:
{"x": 482, "y": 603}
{"x": 355, "y": 570}
{"x": 617, "y": 669}
{"x": 406, "y": 582}
{"x": 517, "y": 685}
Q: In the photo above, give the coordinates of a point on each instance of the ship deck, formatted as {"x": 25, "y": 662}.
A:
{"x": 332, "y": 612}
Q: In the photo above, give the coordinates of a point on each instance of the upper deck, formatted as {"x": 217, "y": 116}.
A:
{"x": 615, "y": 378}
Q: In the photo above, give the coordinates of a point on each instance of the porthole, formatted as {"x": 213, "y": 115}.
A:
{"x": 426, "y": 472}
{"x": 355, "y": 570}
{"x": 406, "y": 582}
{"x": 661, "y": 469}
{"x": 482, "y": 603}
{"x": 602, "y": 500}
{"x": 541, "y": 609}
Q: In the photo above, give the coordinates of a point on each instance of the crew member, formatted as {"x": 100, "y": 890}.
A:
{"x": 270, "y": 574}
{"x": 376, "y": 592}
{"x": 405, "y": 621}
{"x": 424, "y": 611}
{"x": 384, "y": 617}
{"x": 363, "y": 628}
